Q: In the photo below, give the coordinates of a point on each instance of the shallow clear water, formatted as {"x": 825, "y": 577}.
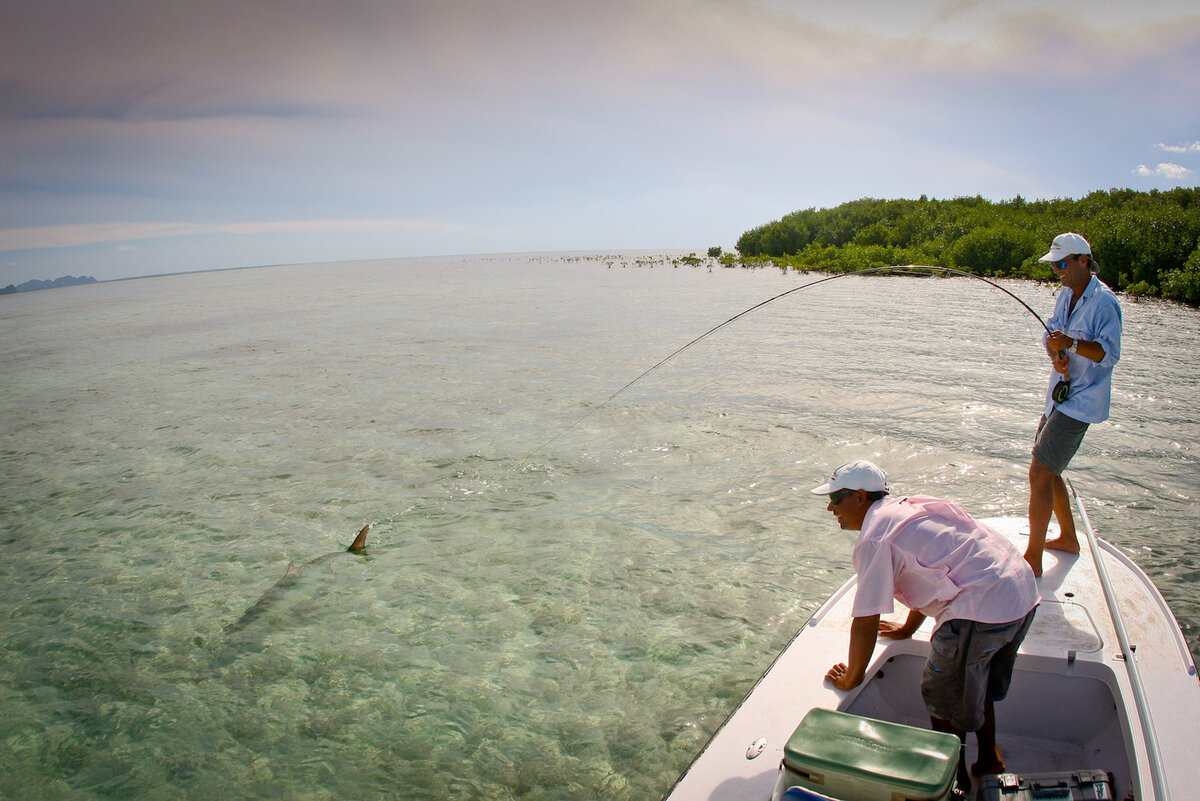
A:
{"x": 562, "y": 620}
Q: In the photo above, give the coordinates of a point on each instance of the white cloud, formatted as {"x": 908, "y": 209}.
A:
{"x": 1194, "y": 147}
{"x": 1173, "y": 172}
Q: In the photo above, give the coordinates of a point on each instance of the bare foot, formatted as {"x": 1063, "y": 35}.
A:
{"x": 988, "y": 767}
{"x": 1068, "y": 545}
{"x": 1035, "y": 562}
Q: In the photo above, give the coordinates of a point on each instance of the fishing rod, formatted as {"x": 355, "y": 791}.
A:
{"x": 755, "y": 307}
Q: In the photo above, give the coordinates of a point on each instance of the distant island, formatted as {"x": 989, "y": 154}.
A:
{"x": 37, "y": 283}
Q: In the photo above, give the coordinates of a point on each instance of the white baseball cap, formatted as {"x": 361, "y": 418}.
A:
{"x": 1065, "y": 245}
{"x": 859, "y": 475}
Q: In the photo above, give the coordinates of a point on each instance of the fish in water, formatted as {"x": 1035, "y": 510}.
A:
{"x": 290, "y": 577}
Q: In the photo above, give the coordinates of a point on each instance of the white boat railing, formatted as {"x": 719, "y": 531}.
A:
{"x": 1153, "y": 754}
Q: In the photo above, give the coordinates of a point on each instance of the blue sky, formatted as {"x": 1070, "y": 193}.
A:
{"x": 142, "y": 136}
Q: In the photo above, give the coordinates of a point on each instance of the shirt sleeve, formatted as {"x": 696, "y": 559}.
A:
{"x": 1106, "y": 329}
{"x": 875, "y": 594}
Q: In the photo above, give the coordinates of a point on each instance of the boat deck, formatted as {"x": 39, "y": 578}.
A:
{"x": 1070, "y": 706}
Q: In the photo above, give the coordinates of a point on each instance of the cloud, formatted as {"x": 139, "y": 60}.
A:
{"x": 1194, "y": 147}
{"x": 1173, "y": 172}
{"x": 65, "y": 236}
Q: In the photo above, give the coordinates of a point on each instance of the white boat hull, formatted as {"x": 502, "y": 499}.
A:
{"x": 1072, "y": 705}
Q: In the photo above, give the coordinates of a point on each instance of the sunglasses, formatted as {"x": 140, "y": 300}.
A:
{"x": 837, "y": 497}
{"x": 1062, "y": 265}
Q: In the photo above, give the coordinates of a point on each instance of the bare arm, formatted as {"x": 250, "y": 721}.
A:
{"x": 1057, "y": 342}
{"x": 863, "y": 632}
{"x": 893, "y": 632}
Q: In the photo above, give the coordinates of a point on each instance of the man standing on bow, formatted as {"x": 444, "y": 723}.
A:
{"x": 1084, "y": 345}
{"x": 938, "y": 561}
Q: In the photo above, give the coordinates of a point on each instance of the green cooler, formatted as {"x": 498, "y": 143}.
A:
{"x": 861, "y": 759}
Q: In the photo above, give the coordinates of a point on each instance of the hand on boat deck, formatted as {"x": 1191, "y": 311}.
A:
{"x": 839, "y": 676}
{"x": 894, "y": 631}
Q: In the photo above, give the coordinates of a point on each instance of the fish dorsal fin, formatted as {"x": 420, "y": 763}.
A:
{"x": 360, "y": 542}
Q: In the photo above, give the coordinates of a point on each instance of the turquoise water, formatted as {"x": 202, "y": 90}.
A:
{"x": 567, "y": 624}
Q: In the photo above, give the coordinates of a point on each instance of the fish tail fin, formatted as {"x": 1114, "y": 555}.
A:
{"x": 360, "y": 542}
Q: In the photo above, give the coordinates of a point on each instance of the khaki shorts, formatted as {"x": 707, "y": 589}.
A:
{"x": 970, "y": 663}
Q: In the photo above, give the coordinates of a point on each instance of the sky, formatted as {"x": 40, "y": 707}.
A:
{"x": 142, "y": 137}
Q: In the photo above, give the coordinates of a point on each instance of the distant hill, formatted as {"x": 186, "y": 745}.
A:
{"x": 37, "y": 283}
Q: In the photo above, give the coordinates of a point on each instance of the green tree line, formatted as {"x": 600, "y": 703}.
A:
{"x": 1146, "y": 242}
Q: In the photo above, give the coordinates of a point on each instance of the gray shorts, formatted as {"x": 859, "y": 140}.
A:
{"x": 1058, "y": 437}
{"x": 970, "y": 663}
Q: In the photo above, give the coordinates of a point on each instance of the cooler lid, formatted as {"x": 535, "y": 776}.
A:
{"x": 910, "y": 760}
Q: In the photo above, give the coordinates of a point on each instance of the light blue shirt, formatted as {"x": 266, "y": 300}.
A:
{"x": 1097, "y": 318}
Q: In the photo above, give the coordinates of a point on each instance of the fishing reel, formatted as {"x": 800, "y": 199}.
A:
{"x": 1062, "y": 390}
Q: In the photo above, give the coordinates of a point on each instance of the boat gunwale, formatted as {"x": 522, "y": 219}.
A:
{"x": 1185, "y": 654}
{"x": 1146, "y": 723}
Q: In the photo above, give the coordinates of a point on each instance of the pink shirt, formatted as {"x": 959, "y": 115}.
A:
{"x": 933, "y": 557}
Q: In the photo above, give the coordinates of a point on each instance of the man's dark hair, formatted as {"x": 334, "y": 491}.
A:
{"x": 876, "y": 496}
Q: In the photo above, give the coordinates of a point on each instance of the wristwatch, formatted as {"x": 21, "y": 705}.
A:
{"x": 1074, "y": 345}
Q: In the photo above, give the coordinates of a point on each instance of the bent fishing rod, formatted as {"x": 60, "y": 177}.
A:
{"x": 755, "y": 307}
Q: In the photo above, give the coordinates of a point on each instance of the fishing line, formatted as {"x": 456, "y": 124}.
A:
{"x": 755, "y": 307}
